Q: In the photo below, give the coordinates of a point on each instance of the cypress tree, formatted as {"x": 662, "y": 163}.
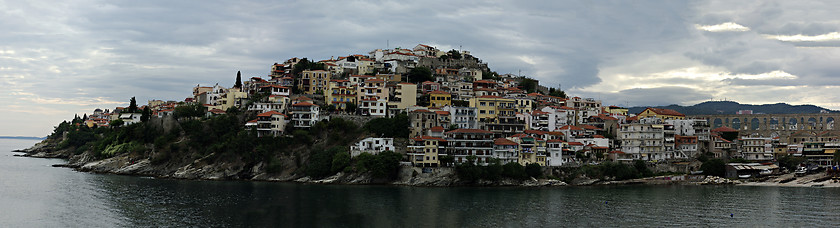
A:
{"x": 132, "y": 107}
{"x": 238, "y": 80}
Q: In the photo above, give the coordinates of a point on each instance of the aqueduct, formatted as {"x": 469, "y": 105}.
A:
{"x": 773, "y": 125}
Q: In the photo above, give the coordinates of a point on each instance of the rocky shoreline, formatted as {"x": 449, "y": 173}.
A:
{"x": 198, "y": 169}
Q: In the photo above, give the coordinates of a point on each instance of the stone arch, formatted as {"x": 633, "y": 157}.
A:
{"x": 754, "y": 124}
{"x": 736, "y": 123}
{"x": 774, "y": 134}
{"x": 726, "y": 122}
{"x": 774, "y": 123}
{"x": 812, "y": 122}
{"x": 829, "y": 123}
{"x": 717, "y": 123}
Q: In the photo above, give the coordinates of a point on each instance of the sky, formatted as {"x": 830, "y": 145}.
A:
{"x": 61, "y": 58}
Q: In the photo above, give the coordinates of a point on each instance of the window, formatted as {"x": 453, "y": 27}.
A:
{"x": 483, "y": 104}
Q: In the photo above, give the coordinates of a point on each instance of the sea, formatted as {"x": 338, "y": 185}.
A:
{"x": 35, "y": 194}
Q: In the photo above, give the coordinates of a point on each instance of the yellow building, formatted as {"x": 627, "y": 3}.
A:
{"x": 490, "y": 107}
{"x": 339, "y": 93}
{"x": 425, "y": 151}
{"x": 404, "y": 96}
{"x": 661, "y": 113}
{"x": 314, "y": 81}
{"x": 531, "y": 150}
{"x": 612, "y": 109}
{"x": 371, "y": 88}
{"x": 389, "y": 77}
{"x": 439, "y": 99}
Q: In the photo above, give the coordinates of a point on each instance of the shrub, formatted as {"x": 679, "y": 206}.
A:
{"x": 533, "y": 170}
{"x": 514, "y": 170}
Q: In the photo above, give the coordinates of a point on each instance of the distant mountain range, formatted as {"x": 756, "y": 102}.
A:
{"x": 731, "y": 107}
{"x": 22, "y": 137}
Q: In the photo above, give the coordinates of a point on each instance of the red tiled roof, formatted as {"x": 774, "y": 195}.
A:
{"x": 490, "y": 96}
{"x": 724, "y": 129}
{"x": 270, "y": 113}
{"x": 538, "y": 132}
{"x": 438, "y": 92}
{"x": 520, "y": 135}
{"x": 663, "y": 111}
{"x": 555, "y": 133}
{"x": 504, "y": 141}
{"x": 421, "y": 110}
{"x": 575, "y": 144}
{"x": 466, "y": 130}
{"x": 437, "y": 129}
{"x": 442, "y": 112}
{"x": 425, "y": 137}
{"x": 590, "y": 127}
{"x": 617, "y": 152}
{"x": 598, "y": 136}
{"x": 217, "y": 111}
{"x": 571, "y": 127}
{"x": 537, "y": 112}
{"x": 303, "y": 104}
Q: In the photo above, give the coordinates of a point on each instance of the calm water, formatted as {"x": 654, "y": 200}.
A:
{"x": 34, "y": 194}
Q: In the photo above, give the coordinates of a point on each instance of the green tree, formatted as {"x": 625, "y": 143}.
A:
{"x": 340, "y": 161}
{"x": 514, "y": 170}
{"x": 529, "y": 85}
{"x": 420, "y": 75}
{"x": 556, "y": 93}
{"x": 454, "y": 54}
{"x": 132, "y": 107}
{"x": 189, "y": 110}
{"x": 533, "y": 170}
{"x": 117, "y": 123}
{"x": 146, "y": 115}
{"x": 714, "y": 167}
{"x": 238, "y": 83}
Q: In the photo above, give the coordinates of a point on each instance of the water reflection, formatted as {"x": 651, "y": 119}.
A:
{"x": 34, "y": 194}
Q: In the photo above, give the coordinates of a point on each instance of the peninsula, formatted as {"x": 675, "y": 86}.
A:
{"x": 427, "y": 117}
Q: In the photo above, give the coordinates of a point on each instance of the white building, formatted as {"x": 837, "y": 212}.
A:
{"x": 463, "y": 117}
{"x": 506, "y": 150}
{"x": 372, "y": 146}
{"x": 305, "y": 114}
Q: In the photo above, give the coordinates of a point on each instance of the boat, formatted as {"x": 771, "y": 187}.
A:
{"x": 745, "y": 176}
{"x": 801, "y": 171}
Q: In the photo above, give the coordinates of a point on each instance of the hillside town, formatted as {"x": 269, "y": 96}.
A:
{"x": 460, "y": 111}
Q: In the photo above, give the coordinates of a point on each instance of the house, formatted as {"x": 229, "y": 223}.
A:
{"x": 506, "y": 150}
{"x": 439, "y": 99}
{"x": 130, "y": 118}
{"x": 531, "y": 150}
{"x": 498, "y": 115}
{"x": 422, "y": 119}
{"x": 314, "y": 81}
{"x": 402, "y": 96}
{"x": 339, "y": 93}
{"x": 470, "y": 142}
{"x": 271, "y": 123}
{"x": 662, "y": 113}
{"x": 425, "y": 151}
{"x": 372, "y": 146}
{"x": 463, "y": 117}
{"x": 371, "y": 89}
{"x": 305, "y": 114}
{"x": 557, "y": 153}
{"x": 373, "y": 107}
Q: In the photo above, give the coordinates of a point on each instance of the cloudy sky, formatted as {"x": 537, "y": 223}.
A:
{"x": 66, "y": 57}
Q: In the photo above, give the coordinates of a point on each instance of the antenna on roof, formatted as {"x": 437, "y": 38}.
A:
{"x": 387, "y": 44}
